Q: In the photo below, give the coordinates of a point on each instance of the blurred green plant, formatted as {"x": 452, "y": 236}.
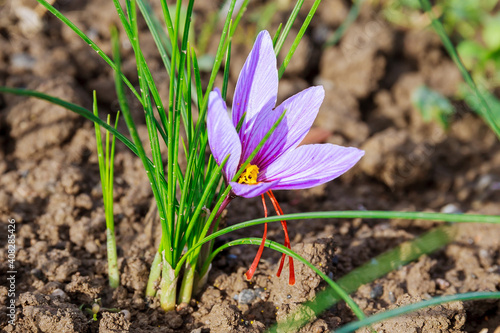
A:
{"x": 464, "y": 16}
{"x": 483, "y": 108}
{"x": 470, "y": 23}
{"x": 432, "y": 106}
{"x": 475, "y": 29}
{"x": 482, "y": 57}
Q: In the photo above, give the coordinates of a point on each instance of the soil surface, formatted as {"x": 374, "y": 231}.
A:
{"x": 49, "y": 183}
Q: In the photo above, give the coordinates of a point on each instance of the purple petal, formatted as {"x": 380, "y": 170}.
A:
{"x": 257, "y": 85}
{"x": 301, "y": 110}
{"x": 263, "y": 123}
{"x": 250, "y": 191}
{"x": 222, "y": 136}
{"x": 311, "y": 165}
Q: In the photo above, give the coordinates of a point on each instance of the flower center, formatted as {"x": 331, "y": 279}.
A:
{"x": 249, "y": 176}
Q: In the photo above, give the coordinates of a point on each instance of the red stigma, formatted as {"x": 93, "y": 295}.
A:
{"x": 291, "y": 279}
{"x": 255, "y": 262}
{"x": 249, "y": 274}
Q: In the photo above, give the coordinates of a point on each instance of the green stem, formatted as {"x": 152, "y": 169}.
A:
{"x": 187, "y": 284}
{"x": 114, "y": 275}
{"x": 154, "y": 275}
{"x": 205, "y": 248}
{"x": 168, "y": 287}
{"x": 201, "y": 278}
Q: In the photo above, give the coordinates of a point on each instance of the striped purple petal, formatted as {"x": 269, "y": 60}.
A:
{"x": 301, "y": 110}
{"x": 311, "y": 165}
{"x": 222, "y": 136}
{"x": 257, "y": 87}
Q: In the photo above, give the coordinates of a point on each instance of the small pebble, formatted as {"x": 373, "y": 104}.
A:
{"x": 92, "y": 33}
{"x": 263, "y": 293}
{"x": 451, "y": 209}
{"x": 29, "y": 20}
{"x": 392, "y": 298}
{"x": 483, "y": 253}
{"x": 37, "y": 273}
{"x": 442, "y": 283}
{"x": 377, "y": 291}
{"x": 22, "y": 61}
{"x": 494, "y": 269}
{"x": 246, "y": 296}
{"x": 126, "y": 314}
{"x": 320, "y": 34}
{"x": 484, "y": 183}
{"x": 59, "y": 293}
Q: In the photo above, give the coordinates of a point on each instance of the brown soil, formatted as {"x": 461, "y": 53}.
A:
{"x": 49, "y": 183}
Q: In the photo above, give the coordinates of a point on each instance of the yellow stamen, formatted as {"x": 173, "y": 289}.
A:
{"x": 249, "y": 176}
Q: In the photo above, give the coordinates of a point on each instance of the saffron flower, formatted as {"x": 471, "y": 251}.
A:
{"x": 280, "y": 164}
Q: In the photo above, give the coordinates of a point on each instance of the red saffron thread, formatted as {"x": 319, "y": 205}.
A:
{"x": 256, "y": 260}
{"x": 291, "y": 279}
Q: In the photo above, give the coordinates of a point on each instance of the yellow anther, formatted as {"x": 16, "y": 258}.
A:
{"x": 249, "y": 176}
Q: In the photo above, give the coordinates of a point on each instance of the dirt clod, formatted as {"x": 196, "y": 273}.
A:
{"x": 49, "y": 314}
